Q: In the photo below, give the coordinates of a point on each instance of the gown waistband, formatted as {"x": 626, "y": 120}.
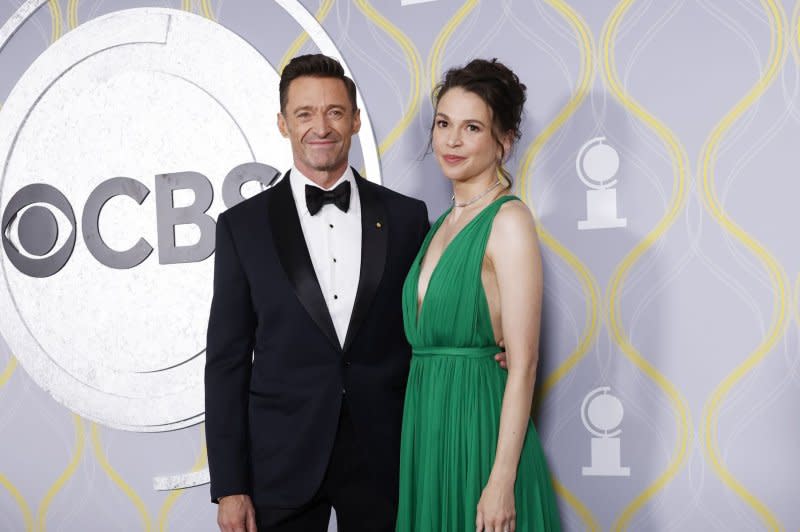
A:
{"x": 467, "y": 352}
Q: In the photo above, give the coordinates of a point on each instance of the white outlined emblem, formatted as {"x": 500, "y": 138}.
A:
{"x": 601, "y": 414}
{"x": 597, "y": 165}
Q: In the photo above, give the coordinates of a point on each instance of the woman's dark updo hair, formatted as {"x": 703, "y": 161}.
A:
{"x": 498, "y": 87}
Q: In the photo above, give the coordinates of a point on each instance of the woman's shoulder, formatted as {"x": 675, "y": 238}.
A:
{"x": 513, "y": 217}
{"x": 513, "y": 231}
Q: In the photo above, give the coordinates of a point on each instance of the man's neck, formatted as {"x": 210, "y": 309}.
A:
{"x": 323, "y": 178}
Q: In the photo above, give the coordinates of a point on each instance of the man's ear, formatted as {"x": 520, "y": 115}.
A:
{"x": 356, "y": 121}
{"x": 282, "y": 126}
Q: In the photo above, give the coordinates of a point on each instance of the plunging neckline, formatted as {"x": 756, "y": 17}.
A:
{"x": 420, "y": 302}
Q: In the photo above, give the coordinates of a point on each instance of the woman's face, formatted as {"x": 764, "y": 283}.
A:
{"x": 462, "y": 136}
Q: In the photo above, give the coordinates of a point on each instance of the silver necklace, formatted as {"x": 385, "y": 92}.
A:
{"x": 476, "y": 198}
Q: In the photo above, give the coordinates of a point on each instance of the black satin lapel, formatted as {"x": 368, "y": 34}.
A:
{"x": 293, "y": 253}
{"x": 374, "y": 241}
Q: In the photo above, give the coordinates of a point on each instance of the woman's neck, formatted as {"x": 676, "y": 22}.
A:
{"x": 475, "y": 193}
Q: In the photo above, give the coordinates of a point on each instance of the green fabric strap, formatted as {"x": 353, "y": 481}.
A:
{"x": 467, "y": 352}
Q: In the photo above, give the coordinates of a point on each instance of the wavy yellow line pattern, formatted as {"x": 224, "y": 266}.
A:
{"x": 413, "y": 60}
{"x": 797, "y": 301}
{"x": 7, "y": 484}
{"x": 55, "y": 34}
{"x": 80, "y": 445}
{"x": 8, "y": 371}
{"x": 208, "y": 11}
{"x": 776, "y": 16}
{"x": 435, "y": 56}
{"x": 72, "y": 14}
{"x": 117, "y": 479}
{"x": 679, "y": 194}
{"x": 583, "y": 512}
{"x": 27, "y": 517}
{"x": 794, "y": 33}
{"x": 169, "y": 503}
{"x": 591, "y": 292}
{"x": 322, "y": 12}
{"x": 588, "y": 283}
{"x": 586, "y": 77}
{"x": 55, "y": 18}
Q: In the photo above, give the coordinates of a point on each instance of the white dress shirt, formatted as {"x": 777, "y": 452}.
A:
{"x": 333, "y": 239}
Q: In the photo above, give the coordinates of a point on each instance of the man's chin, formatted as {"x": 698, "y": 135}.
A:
{"x": 329, "y": 166}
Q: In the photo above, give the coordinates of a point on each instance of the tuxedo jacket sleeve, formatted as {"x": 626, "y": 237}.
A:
{"x": 229, "y": 351}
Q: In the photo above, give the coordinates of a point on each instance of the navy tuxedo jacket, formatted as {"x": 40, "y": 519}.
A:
{"x": 276, "y": 375}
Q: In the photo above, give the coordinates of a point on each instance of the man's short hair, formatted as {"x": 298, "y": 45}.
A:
{"x": 317, "y": 66}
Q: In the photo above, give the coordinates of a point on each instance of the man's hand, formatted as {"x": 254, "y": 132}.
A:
{"x": 236, "y": 514}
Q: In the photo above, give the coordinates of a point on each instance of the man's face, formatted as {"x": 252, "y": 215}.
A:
{"x": 319, "y": 121}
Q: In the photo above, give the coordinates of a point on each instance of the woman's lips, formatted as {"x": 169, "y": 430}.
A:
{"x": 453, "y": 159}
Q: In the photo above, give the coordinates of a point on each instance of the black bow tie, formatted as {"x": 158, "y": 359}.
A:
{"x": 339, "y": 196}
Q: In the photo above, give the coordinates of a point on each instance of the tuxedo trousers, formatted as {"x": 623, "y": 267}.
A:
{"x": 349, "y": 487}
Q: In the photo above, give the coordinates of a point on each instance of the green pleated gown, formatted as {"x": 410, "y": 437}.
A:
{"x": 454, "y": 397}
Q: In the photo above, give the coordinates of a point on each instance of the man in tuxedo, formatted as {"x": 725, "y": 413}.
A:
{"x": 306, "y": 355}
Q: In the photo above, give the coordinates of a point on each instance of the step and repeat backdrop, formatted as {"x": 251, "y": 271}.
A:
{"x": 660, "y": 153}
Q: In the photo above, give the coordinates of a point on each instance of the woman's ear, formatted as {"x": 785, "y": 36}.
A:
{"x": 504, "y": 148}
{"x": 508, "y": 142}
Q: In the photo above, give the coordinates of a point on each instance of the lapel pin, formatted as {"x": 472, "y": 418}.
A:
{"x": 378, "y": 225}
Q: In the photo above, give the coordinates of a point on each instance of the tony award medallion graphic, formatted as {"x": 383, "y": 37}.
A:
{"x": 597, "y": 165}
{"x": 602, "y": 414}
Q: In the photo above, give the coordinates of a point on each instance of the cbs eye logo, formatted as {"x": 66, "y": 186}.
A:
{"x": 31, "y": 230}
{"x": 119, "y": 146}
{"x": 35, "y": 218}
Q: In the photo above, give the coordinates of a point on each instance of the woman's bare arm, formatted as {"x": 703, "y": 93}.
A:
{"x": 513, "y": 249}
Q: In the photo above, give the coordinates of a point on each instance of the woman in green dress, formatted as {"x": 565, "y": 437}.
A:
{"x": 470, "y": 455}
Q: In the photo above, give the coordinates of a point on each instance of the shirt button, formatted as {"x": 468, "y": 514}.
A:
{"x": 334, "y": 260}
{"x": 344, "y": 391}
{"x": 335, "y": 296}
{"x": 330, "y": 225}
{"x": 347, "y": 363}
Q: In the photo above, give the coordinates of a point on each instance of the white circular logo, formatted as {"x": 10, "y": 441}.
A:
{"x": 118, "y": 148}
